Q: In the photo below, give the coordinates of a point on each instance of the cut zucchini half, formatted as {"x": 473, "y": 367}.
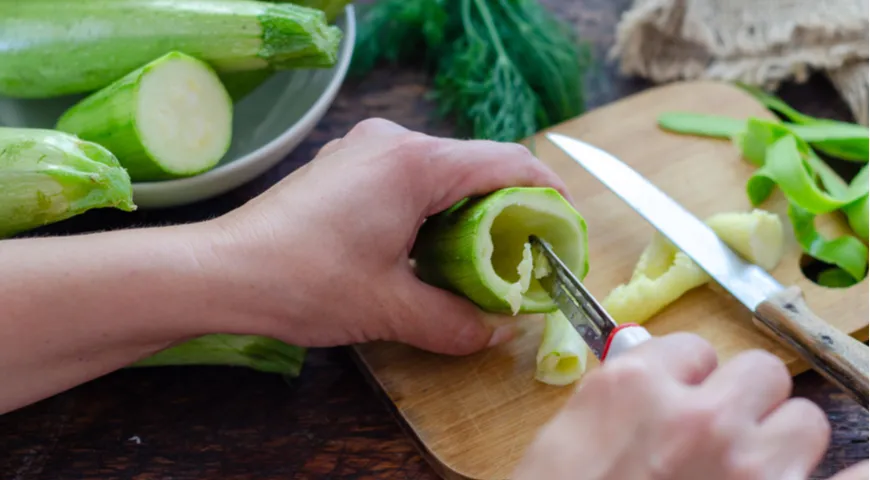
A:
{"x": 480, "y": 247}
{"x": 171, "y": 118}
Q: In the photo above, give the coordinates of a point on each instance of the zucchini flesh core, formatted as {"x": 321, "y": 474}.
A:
{"x": 184, "y": 117}
{"x": 562, "y": 354}
{"x": 511, "y": 259}
{"x": 663, "y": 274}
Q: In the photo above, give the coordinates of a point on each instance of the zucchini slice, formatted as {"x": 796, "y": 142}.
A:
{"x": 170, "y": 118}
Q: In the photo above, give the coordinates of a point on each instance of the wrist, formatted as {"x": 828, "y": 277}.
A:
{"x": 240, "y": 282}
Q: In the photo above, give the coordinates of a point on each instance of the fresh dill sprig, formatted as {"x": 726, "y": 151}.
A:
{"x": 503, "y": 69}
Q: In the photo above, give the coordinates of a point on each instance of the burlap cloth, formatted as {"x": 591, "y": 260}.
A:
{"x": 758, "y": 42}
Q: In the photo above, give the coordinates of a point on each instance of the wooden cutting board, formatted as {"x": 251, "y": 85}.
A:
{"x": 474, "y": 416}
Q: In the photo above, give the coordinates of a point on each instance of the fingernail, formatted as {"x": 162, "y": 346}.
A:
{"x": 502, "y": 334}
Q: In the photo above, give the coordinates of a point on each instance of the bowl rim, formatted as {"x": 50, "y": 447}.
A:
{"x": 313, "y": 115}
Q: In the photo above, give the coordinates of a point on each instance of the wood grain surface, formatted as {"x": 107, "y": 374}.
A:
{"x": 197, "y": 423}
{"x": 476, "y": 415}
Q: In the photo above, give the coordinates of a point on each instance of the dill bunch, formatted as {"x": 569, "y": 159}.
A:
{"x": 503, "y": 69}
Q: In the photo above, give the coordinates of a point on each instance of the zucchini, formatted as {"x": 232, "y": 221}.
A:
{"x": 240, "y": 84}
{"x": 562, "y": 353}
{"x": 332, "y": 8}
{"x": 50, "y": 48}
{"x": 259, "y": 353}
{"x": 48, "y": 176}
{"x": 170, "y": 118}
{"x": 480, "y": 249}
{"x": 663, "y": 273}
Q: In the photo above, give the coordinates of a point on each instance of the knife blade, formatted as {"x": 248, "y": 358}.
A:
{"x": 601, "y": 333}
{"x": 778, "y": 311}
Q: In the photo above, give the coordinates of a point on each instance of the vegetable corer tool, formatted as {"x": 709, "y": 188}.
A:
{"x": 605, "y": 337}
{"x": 778, "y": 311}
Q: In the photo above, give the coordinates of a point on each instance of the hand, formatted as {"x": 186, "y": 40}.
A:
{"x": 325, "y": 252}
{"x": 664, "y": 411}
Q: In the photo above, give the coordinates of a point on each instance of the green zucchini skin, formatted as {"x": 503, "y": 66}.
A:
{"x": 109, "y": 117}
{"x": 47, "y": 176}
{"x": 51, "y": 48}
{"x": 449, "y": 255}
{"x": 241, "y": 84}
{"x": 263, "y": 354}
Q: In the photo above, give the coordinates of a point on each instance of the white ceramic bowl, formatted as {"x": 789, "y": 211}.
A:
{"x": 268, "y": 124}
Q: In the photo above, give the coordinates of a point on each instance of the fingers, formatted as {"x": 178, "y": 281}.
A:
{"x": 331, "y": 147}
{"x": 686, "y": 357}
{"x": 751, "y": 384}
{"x": 372, "y": 130}
{"x": 798, "y": 423}
{"x": 453, "y": 169}
{"x": 464, "y": 168}
{"x": 437, "y": 321}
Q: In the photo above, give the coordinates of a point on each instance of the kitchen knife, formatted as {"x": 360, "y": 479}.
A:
{"x": 779, "y": 311}
{"x": 604, "y": 336}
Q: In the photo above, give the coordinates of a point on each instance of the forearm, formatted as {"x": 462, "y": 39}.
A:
{"x": 75, "y": 308}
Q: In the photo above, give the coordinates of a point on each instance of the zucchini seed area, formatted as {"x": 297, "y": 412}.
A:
{"x": 512, "y": 258}
{"x": 183, "y": 116}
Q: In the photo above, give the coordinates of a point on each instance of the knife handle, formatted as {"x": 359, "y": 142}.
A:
{"x": 623, "y": 338}
{"x": 840, "y": 358}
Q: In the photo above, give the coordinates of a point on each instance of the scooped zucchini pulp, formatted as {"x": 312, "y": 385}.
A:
{"x": 480, "y": 248}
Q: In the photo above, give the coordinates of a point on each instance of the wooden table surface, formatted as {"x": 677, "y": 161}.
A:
{"x": 222, "y": 423}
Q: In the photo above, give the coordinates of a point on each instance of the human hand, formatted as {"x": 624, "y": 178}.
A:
{"x": 324, "y": 254}
{"x": 665, "y": 411}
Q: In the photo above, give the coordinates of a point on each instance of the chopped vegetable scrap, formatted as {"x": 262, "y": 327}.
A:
{"x": 787, "y": 154}
{"x": 663, "y": 274}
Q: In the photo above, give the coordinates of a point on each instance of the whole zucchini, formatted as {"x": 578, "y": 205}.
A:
{"x": 50, "y": 48}
{"x": 47, "y": 176}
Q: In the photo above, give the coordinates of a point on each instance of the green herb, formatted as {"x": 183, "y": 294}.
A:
{"x": 504, "y": 69}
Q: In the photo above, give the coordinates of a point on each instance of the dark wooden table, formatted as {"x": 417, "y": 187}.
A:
{"x": 223, "y": 423}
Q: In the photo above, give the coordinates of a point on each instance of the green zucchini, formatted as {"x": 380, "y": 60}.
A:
{"x": 480, "y": 247}
{"x": 170, "y": 118}
{"x": 240, "y": 84}
{"x": 48, "y": 176}
{"x": 51, "y": 48}
{"x": 263, "y": 354}
{"x": 332, "y": 8}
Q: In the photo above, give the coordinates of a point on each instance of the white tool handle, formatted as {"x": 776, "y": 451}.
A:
{"x": 624, "y": 338}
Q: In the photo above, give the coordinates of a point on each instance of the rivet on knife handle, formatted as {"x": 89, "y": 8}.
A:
{"x": 839, "y": 357}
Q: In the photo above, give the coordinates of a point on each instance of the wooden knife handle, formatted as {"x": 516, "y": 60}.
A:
{"x": 837, "y": 356}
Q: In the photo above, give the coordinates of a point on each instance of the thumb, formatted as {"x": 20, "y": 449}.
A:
{"x": 442, "y": 322}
